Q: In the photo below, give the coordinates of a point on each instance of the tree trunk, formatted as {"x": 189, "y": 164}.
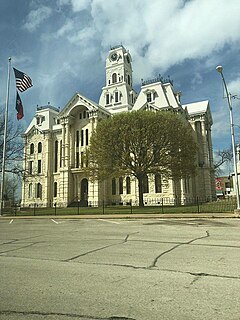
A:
{"x": 140, "y": 191}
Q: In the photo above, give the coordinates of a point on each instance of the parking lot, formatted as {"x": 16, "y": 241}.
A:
{"x": 109, "y": 269}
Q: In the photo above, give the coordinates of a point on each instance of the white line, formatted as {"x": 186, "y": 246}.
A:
{"x": 11, "y": 221}
{"x": 109, "y": 221}
{"x": 54, "y": 221}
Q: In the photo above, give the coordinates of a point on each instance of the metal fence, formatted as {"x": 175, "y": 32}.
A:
{"x": 164, "y": 206}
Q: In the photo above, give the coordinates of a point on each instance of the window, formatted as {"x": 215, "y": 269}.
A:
{"x": 39, "y": 166}
{"x": 39, "y": 191}
{"x": 149, "y": 97}
{"x": 38, "y": 120}
{"x": 56, "y": 157}
{"x": 82, "y": 159}
{"x": 145, "y": 184}
{"x": 116, "y": 96}
{"x": 77, "y": 159}
{"x": 128, "y": 79}
{"x": 39, "y": 147}
{"x": 86, "y": 137}
{"x": 84, "y": 114}
{"x": 158, "y": 183}
{"x": 114, "y": 186}
{"x": 60, "y": 153}
{"x": 80, "y": 115}
{"x": 107, "y": 98}
{"x": 128, "y": 185}
{"x": 114, "y": 78}
{"x": 31, "y": 148}
{"x": 30, "y": 190}
{"x": 55, "y": 189}
{"x": 30, "y": 167}
{"x": 82, "y": 138}
{"x": 120, "y": 185}
{"x": 77, "y": 138}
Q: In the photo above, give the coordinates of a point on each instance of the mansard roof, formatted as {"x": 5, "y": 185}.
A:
{"x": 199, "y": 109}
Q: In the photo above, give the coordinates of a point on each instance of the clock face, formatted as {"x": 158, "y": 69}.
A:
{"x": 114, "y": 56}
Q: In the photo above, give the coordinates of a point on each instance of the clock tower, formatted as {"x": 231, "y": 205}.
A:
{"x": 118, "y": 94}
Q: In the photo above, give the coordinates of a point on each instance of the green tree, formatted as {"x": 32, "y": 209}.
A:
{"x": 140, "y": 143}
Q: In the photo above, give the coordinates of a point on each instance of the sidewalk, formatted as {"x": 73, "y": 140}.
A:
{"x": 132, "y": 216}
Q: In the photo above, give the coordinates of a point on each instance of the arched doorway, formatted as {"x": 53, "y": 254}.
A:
{"x": 84, "y": 193}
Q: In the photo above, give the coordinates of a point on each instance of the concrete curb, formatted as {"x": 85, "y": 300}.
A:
{"x": 132, "y": 216}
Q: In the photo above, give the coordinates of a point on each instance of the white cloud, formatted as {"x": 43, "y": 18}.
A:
{"x": 36, "y": 17}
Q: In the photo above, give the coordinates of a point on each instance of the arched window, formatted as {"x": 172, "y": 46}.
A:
{"x": 30, "y": 190}
{"x": 114, "y": 78}
{"x": 31, "y": 148}
{"x": 114, "y": 186}
{"x": 145, "y": 184}
{"x": 55, "y": 189}
{"x": 128, "y": 79}
{"x": 39, "y": 191}
{"x": 39, "y": 147}
{"x": 120, "y": 185}
{"x": 158, "y": 183}
{"x": 128, "y": 185}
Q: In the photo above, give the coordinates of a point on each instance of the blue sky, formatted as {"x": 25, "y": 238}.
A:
{"x": 63, "y": 44}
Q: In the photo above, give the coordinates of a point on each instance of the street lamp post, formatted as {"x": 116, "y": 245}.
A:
{"x": 229, "y": 99}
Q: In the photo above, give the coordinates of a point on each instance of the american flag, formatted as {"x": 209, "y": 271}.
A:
{"x": 23, "y": 81}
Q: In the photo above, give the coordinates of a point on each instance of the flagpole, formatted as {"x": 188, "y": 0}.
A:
{"x": 5, "y": 138}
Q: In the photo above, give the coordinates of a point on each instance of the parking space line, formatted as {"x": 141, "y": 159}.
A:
{"x": 11, "y": 221}
{"x": 54, "y": 221}
{"x": 109, "y": 221}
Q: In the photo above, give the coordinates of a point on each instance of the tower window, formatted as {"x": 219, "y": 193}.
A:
{"x": 114, "y": 78}
{"x": 30, "y": 167}
{"x": 128, "y": 79}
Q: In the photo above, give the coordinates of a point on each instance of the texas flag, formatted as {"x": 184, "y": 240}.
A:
{"x": 19, "y": 107}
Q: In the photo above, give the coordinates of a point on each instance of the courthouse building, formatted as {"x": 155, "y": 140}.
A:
{"x": 56, "y": 141}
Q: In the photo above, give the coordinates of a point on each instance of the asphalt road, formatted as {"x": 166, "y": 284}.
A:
{"x": 159, "y": 269}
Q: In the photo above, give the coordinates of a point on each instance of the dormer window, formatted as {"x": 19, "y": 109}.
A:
{"x": 39, "y": 120}
{"x": 151, "y": 95}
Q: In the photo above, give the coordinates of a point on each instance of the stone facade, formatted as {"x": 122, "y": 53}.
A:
{"x": 56, "y": 141}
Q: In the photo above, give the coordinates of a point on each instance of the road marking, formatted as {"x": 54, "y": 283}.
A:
{"x": 11, "y": 221}
{"x": 109, "y": 221}
{"x": 54, "y": 221}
